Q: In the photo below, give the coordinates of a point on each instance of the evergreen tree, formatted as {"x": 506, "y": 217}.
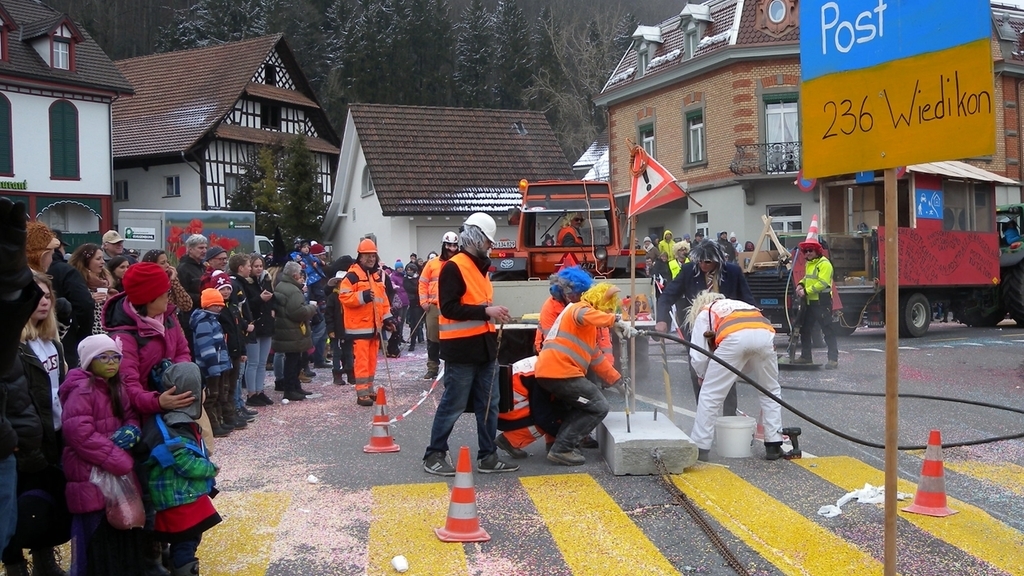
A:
{"x": 212, "y": 22}
{"x": 370, "y": 73}
{"x": 304, "y": 206}
{"x": 258, "y": 190}
{"x": 473, "y": 51}
{"x": 513, "y": 61}
{"x": 426, "y": 45}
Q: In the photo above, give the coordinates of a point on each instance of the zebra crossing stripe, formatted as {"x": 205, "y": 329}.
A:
{"x": 1006, "y": 475}
{"x": 240, "y": 545}
{"x": 775, "y": 531}
{"x": 972, "y": 530}
{"x": 404, "y": 518}
{"x": 594, "y": 535}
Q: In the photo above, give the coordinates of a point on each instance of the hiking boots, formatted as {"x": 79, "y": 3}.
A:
{"x": 190, "y": 569}
{"x": 339, "y": 377}
{"x": 278, "y": 385}
{"x": 308, "y": 372}
{"x": 437, "y": 464}
{"x": 832, "y": 365}
{"x": 588, "y": 443}
{"x": 220, "y": 431}
{"x": 45, "y": 564}
{"x": 570, "y": 458}
{"x": 304, "y": 378}
{"x": 364, "y": 399}
{"x": 492, "y": 464}
{"x": 430, "y": 374}
{"x": 504, "y": 444}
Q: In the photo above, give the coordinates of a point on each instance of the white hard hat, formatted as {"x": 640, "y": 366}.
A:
{"x": 485, "y": 223}
{"x": 450, "y": 238}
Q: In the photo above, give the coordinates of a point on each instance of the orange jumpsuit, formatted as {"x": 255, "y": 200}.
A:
{"x": 548, "y": 312}
{"x": 366, "y": 308}
{"x": 524, "y": 436}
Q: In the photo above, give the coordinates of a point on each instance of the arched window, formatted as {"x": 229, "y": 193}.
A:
{"x": 63, "y": 140}
{"x": 6, "y": 138}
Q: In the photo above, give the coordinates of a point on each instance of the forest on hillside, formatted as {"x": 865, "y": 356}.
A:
{"x": 547, "y": 55}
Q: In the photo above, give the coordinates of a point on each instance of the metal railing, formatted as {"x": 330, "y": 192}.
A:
{"x": 772, "y": 158}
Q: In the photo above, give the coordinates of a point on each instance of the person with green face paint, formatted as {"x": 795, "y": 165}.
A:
{"x": 100, "y": 428}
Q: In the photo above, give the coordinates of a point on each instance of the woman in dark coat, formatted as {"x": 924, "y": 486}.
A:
{"x": 291, "y": 327}
{"x": 411, "y": 282}
{"x": 259, "y": 293}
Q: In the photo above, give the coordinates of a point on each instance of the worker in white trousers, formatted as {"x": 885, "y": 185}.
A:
{"x": 737, "y": 333}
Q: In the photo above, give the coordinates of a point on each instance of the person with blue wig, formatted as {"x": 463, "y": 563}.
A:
{"x": 566, "y": 286}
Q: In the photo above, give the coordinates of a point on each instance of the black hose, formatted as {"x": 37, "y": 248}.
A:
{"x": 831, "y": 430}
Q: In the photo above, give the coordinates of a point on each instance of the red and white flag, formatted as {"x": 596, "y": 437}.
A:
{"x": 652, "y": 184}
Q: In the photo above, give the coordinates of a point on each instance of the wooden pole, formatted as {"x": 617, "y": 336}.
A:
{"x": 892, "y": 366}
{"x": 631, "y": 389}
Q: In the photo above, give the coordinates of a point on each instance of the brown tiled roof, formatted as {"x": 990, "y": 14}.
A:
{"x": 93, "y": 69}
{"x": 260, "y": 136}
{"x": 278, "y": 94}
{"x": 750, "y": 34}
{"x": 180, "y": 96}
{"x": 454, "y": 160}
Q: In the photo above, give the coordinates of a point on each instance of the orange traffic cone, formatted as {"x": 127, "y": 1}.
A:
{"x": 380, "y": 434}
{"x": 930, "y": 498}
{"x": 463, "y": 524}
{"x": 812, "y": 231}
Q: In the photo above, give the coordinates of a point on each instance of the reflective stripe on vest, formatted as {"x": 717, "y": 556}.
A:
{"x": 568, "y": 343}
{"x": 740, "y": 320}
{"x": 479, "y": 292}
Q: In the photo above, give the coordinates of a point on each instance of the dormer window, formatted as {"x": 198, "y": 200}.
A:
{"x": 643, "y": 58}
{"x": 61, "y": 54}
{"x": 645, "y": 42}
{"x": 694, "y": 21}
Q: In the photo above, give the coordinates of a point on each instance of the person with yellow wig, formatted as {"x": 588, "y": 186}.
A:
{"x": 569, "y": 234}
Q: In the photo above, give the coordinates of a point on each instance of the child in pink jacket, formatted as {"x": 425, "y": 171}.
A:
{"x": 100, "y": 426}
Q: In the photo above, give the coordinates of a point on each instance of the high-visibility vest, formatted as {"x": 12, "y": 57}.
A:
{"x": 548, "y": 312}
{"x": 363, "y": 318}
{"x": 428, "y": 281}
{"x": 571, "y": 347}
{"x": 817, "y": 278}
{"x": 479, "y": 292}
{"x": 567, "y": 232}
{"x": 741, "y": 319}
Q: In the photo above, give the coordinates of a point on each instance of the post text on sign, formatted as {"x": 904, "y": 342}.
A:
{"x": 846, "y": 33}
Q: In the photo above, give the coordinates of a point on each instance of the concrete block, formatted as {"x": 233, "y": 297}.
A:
{"x": 631, "y": 453}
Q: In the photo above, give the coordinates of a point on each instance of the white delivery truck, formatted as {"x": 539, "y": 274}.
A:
{"x": 167, "y": 230}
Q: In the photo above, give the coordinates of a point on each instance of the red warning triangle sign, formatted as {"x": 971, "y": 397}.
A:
{"x": 652, "y": 184}
{"x": 567, "y": 261}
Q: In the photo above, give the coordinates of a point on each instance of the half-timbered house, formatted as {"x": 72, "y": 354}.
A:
{"x": 408, "y": 174}
{"x": 56, "y": 89}
{"x": 198, "y": 116}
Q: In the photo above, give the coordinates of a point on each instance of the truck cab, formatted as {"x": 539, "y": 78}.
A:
{"x": 539, "y": 250}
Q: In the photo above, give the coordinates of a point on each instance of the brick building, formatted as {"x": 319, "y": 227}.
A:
{"x": 714, "y": 95}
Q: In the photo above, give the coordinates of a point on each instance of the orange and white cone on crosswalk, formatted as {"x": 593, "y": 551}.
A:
{"x": 380, "y": 433}
{"x": 930, "y": 498}
{"x": 463, "y": 524}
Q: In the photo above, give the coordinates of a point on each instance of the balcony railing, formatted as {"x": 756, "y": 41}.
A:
{"x": 773, "y": 158}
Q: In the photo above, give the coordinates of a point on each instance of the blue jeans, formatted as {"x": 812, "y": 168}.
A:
{"x": 278, "y": 366}
{"x": 319, "y": 343}
{"x": 184, "y": 552}
{"x": 256, "y": 367}
{"x": 8, "y": 499}
{"x": 459, "y": 381}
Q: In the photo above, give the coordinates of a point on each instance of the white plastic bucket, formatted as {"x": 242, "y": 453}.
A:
{"x": 733, "y": 436}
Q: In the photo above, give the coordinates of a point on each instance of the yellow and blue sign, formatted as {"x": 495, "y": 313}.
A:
{"x": 886, "y": 83}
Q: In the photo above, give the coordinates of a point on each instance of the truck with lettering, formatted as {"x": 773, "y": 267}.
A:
{"x": 522, "y": 265}
{"x": 950, "y": 262}
{"x": 168, "y": 230}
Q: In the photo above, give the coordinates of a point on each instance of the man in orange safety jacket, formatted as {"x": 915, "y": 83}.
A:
{"x": 428, "y": 300}
{"x": 534, "y": 415}
{"x": 742, "y": 337}
{"x": 570, "y": 350}
{"x": 566, "y": 286}
{"x": 363, "y": 293}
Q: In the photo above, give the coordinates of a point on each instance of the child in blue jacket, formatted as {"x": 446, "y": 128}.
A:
{"x": 211, "y": 351}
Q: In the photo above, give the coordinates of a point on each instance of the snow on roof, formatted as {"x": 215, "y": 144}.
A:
{"x": 649, "y": 33}
{"x": 659, "y": 60}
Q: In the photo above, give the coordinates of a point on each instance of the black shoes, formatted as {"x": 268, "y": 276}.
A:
{"x": 773, "y": 451}
{"x": 705, "y": 455}
{"x": 294, "y": 396}
{"x": 504, "y": 444}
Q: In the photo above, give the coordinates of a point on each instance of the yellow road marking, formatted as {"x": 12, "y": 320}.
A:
{"x": 947, "y": 339}
{"x": 1006, "y": 475}
{"x": 972, "y": 529}
{"x": 404, "y": 518}
{"x": 772, "y": 529}
{"x": 594, "y": 535}
{"x": 240, "y": 545}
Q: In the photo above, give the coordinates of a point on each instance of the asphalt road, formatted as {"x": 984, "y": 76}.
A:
{"x": 300, "y": 496}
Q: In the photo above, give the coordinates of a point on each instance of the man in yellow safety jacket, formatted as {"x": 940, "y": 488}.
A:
{"x": 681, "y": 250}
{"x": 469, "y": 348}
{"x": 367, "y": 311}
{"x": 816, "y": 290}
{"x": 570, "y": 350}
{"x": 738, "y": 334}
{"x": 428, "y": 300}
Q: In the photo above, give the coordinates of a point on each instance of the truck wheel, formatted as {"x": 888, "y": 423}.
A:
{"x": 915, "y": 315}
{"x": 1013, "y": 292}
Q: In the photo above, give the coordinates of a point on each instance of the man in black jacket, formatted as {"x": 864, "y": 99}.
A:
{"x": 20, "y": 427}
{"x": 69, "y": 285}
{"x": 708, "y": 270}
{"x": 190, "y": 274}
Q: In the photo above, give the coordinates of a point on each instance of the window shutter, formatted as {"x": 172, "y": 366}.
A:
{"x": 70, "y": 141}
{"x": 56, "y": 141}
{"x": 63, "y": 140}
{"x": 6, "y": 152}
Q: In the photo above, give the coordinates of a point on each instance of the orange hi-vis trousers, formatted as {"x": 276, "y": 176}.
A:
{"x": 365, "y": 365}
{"x": 523, "y": 437}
